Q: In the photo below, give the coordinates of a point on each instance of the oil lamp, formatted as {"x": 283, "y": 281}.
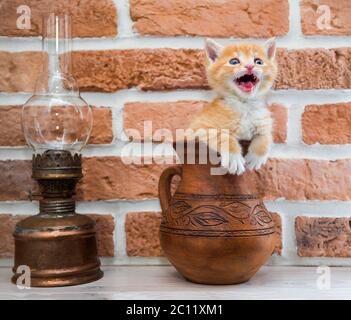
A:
{"x": 58, "y": 245}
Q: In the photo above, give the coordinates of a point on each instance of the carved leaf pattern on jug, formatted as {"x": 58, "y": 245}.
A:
{"x": 183, "y": 214}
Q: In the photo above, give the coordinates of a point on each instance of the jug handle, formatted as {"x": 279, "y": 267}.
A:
{"x": 164, "y": 186}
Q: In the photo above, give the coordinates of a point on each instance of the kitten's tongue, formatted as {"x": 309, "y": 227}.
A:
{"x": 247, "y": 86}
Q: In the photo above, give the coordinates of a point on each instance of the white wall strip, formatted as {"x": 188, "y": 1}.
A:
{"x": 19, "y": 44}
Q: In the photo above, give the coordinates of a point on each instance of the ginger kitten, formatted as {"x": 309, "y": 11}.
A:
{"x": 241, "y": 75}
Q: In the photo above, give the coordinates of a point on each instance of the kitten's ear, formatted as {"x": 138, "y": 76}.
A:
{"x": 213, "y": 49}
{"x": 270, "y": 48}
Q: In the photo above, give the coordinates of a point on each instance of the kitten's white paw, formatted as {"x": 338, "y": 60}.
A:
{"x": 253, "y": 161}
{"x": 234, "y": 162}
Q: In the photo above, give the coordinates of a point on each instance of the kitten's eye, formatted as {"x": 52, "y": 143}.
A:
{"x": 234, "y": 61}
{"x": 258, "y": 61}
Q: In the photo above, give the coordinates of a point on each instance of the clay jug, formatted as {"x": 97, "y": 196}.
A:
{"x": 213, "y": 229}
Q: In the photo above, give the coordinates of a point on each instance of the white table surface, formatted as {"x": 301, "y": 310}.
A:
{"x": 163, "y": 282}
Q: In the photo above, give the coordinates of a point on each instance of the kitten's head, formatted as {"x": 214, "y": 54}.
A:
{"x": 244, "y": 70}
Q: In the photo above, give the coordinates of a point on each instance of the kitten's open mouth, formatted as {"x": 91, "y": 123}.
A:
{"x": 247, "y": 82}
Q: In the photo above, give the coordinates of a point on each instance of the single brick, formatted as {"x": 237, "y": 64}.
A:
{"x": 297, "y": 179}
{"x": 323, "y": 237}
{"x": 111, "y": 178}
{"x": 280, "y": 122}
{"x": 11, "y": 130}
{"x": 142, "y": 229}
{"x": 10, "y": 126}
{"x": 105, "y": 227}
{"x": 7, "y": 227}
{"x": 16, "y": 180}
{"x": 315, "y": 14}
{"x": 148, "y": 69}
{"x": 164, "y": 115}
{"x": 90, "y": 18}
{"x": 178, "y": 115}
{"x": 278, "y": 232}
{"x": 19, "y": 70}
{"x": 102, "y": 132}
{"x": 327, "y": 124}
{"x": 142, "y": 234}
{"x": 236, "y": 18}
{"x": 314, "y": 69}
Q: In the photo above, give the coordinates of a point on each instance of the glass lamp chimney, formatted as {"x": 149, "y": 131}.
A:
{"x": 56, "y": 117}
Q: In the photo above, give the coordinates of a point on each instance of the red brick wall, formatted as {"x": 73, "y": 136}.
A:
{"x": 143, "y": 60}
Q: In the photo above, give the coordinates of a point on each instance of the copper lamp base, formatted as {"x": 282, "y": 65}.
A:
{"x": 58, "y": 245}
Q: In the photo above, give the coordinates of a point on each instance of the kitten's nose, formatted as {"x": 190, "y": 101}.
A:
{"x": 249, "y": 67}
